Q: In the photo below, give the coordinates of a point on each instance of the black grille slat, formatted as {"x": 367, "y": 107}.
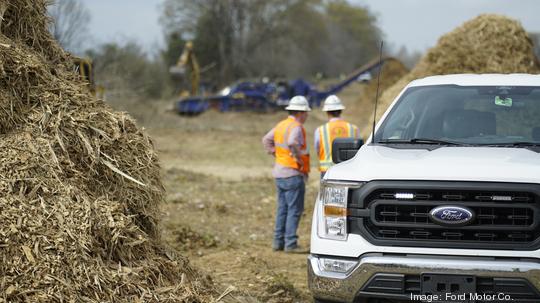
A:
{"x": 412, "y": 284}
{"x": 486, "y": 217}
{"x": 483, "y": 198}
{"x": 485, "y": 235}
{"x": 453, "y": 197}
{"x": 519, "y": 236}
{"x": 389, "y": 232}
{"x": 450, "y": 234}
{"x": 387, "y": 196}
{"x": 420, "y": 233}
{"x": 518, "y": 217}
{"x": 502, "y": 218}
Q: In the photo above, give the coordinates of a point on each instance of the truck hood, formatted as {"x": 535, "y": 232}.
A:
{"x": 494, "y": 164}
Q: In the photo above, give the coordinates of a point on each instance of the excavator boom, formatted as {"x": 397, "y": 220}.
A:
{"x": 188, "y": 60}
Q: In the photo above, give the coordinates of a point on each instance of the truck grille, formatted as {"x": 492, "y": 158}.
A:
{"x": 403, "y": 286}
{"x": 505, "y": 218}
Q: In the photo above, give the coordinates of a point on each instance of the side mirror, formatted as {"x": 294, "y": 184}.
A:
{"x": 344, "y": 149}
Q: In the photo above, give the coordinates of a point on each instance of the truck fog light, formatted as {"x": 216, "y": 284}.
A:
{"x": 338, "y": 266}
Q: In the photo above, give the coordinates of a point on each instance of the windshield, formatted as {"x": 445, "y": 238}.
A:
{"x": 475, "y": 115}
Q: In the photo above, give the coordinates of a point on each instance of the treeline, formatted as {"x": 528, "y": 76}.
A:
{"x": 127, "y": 71}
{"x": 274, "y": 38}
{"x": 234, "y": 39}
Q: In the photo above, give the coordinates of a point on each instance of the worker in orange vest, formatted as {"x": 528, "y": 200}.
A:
{"x": 287, "y": 143}
{"x": 336, "y": 127}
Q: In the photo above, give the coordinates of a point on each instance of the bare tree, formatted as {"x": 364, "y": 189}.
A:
{"x": 70, "y": 23}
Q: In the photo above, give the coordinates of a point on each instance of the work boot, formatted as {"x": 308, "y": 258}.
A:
{"x": 277, "y": 246}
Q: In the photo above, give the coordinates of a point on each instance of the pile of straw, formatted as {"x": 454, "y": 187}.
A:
{"x": 485, "y": 44}
{"x": 79, "y": 185}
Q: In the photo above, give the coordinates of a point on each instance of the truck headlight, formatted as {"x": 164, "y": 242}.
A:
{"x": 333, "y": 199}
{"x": 337, "y": 266}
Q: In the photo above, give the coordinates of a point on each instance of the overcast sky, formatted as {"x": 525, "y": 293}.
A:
{"x": 416, "y": 24}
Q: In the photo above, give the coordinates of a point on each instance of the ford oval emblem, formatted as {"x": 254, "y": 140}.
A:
{"x": 451, "y": 215}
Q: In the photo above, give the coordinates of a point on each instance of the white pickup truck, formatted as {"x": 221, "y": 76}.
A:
{"x": 442, "y": 204}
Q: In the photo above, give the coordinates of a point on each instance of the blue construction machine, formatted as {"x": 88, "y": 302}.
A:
{"x": 266, "y": 96}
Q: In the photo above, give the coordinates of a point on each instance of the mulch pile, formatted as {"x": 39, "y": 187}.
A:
{"x": 80, "y": 185}
{"x": 485, "y": 44}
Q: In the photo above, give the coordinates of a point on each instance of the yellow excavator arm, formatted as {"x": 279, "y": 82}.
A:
{"x": 85, "y": 70}
{"x": 188, "y": 60}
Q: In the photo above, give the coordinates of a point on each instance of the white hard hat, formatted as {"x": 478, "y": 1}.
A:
{"x": 298, "y": 103}
{"x": 332, "y": 103}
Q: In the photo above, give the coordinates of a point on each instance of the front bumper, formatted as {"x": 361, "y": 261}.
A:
{"x": 348, "y": 287}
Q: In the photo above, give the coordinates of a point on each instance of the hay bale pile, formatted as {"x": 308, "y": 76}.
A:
{"x": 79, "y": 185}
{"x": 485, "y": 44}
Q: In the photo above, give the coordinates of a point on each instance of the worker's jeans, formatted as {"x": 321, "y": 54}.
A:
{"x": 290, "y": 193}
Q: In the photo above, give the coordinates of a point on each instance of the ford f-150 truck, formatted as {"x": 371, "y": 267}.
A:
{"x": 442, "y": 203}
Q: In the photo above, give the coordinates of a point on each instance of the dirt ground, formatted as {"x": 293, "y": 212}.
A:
{"x": 221, "y": 199}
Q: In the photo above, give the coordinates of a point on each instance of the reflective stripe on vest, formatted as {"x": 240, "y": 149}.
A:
{"x": 284, "y": 155}
{"x": 327, "y": 133}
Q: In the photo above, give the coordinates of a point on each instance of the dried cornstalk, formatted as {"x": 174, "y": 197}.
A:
{"x": 3, "y": 7}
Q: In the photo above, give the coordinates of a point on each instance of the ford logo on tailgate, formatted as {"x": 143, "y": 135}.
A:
{"x": 451, "y": 215}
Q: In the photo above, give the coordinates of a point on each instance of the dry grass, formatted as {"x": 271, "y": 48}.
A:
{"x": 230, "y": 229}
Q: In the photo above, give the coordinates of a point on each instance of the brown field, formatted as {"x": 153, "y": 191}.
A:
{"x": 221, "y": 197}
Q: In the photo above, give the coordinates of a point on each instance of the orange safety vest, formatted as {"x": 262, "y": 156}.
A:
{"x": 284, "y": 155}
{"x": 327, "y": 133}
